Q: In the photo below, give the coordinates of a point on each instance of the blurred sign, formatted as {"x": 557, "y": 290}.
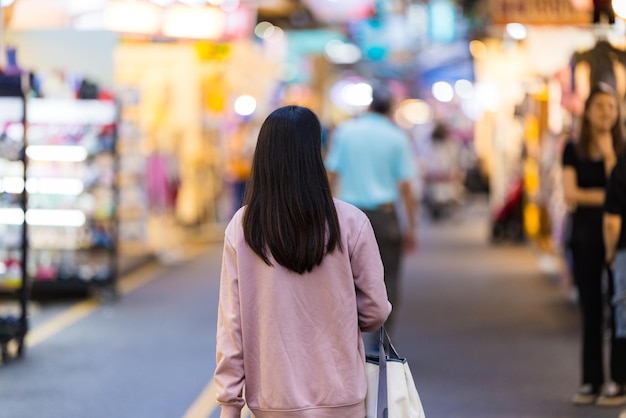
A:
{"x": 442, "y": 18}
{"x": 538, "y": 12}
{"x": 208, "y": 51}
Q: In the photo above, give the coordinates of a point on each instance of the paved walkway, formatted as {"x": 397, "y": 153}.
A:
{"x": 487, "y": 335}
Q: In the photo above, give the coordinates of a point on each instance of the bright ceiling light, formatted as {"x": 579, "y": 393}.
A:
{"x": 245, "y": 105}
{"x": 464, "y": 89}
{"x": 357, "y": 94}
{"x": 516, "y": 31}
{"x": 340, "y": 52}
{"x": 264, "y": 29}
{"x": 6, "y": 3}
{"x": 443, "y": 91}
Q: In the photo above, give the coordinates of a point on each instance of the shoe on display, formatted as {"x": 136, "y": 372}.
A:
{"x": 586, "y": 395}
{"x": 612, "y": 395}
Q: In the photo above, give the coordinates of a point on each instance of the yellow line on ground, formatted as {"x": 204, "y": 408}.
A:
{"x": 80, "y": 310}
{"x": 205, "y": 404}
{"x": 60, "y": 322}
{"x": 139, "y": 278}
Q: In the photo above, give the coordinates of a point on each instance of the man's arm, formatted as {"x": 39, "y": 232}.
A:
{"x": 332, "y": 179}
{"x": 410, "y": 239}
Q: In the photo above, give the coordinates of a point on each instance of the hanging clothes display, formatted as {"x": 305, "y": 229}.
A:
{"x": 604, "y": 63}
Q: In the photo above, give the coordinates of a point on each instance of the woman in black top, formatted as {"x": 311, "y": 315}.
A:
{"x": 586, "y": 165}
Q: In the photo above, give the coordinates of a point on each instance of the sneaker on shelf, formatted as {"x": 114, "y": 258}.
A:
{"x": 612, "y": 395}
{"x": 586, "y": 395}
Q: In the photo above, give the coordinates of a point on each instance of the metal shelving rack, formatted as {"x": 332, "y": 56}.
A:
{"x": 14, "y": 282}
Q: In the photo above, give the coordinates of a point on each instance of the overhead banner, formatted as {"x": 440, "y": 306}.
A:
{"x": 538, "y": 12}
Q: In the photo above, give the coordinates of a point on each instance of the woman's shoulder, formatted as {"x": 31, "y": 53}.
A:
{"x": 346, "y": 211}
{"x": 235, "y": 225}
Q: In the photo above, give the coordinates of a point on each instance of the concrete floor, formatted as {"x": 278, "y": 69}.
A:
{"x": 486, "y": 332}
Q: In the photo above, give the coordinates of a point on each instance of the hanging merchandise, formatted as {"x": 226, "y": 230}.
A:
{"x": 14, "y": 284}
{"x": 603, "y": 63}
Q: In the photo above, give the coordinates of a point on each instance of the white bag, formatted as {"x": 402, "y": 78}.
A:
{"x": 392, "y": 393}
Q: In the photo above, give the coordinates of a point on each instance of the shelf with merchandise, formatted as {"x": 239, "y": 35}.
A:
{"x": 72, "y": 189}
{"x": 12, "y": 196}
{"x": 69, "y": 266}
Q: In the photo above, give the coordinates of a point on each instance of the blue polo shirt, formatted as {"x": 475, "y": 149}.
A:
{"x": 370, "y": 155}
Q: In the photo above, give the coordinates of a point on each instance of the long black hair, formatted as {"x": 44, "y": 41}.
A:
{"x": 290, "y": 212}
{"x": 583, "y": 145}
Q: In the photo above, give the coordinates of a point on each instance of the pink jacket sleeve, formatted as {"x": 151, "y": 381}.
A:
{"x": 369, "y": 279}
{"x": 229, "y": 373}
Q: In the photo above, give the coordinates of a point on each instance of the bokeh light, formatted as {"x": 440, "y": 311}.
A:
{"x": 245, "y": 105}
{"x": 443, "y": 91}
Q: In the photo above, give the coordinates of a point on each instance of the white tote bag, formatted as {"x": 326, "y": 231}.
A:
{"x": 391, "y": 391}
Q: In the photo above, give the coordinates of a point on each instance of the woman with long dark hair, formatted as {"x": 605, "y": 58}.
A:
{"x": 587, "y": 163}
{"x": 301, "y": 278}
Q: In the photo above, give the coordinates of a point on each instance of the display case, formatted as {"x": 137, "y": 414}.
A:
{"x": 72, "y": 194}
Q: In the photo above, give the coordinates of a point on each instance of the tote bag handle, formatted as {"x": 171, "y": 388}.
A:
{"x": 382, "y": 409}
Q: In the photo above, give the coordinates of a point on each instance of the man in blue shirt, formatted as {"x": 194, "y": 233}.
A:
{"x": 370, "y": 164}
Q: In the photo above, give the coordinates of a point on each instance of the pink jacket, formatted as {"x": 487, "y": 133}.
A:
{"x": 294, "y": 341}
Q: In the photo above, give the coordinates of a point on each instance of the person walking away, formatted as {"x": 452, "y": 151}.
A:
{"x": 370, "y": 160}
{"x": 587, "y": 163}
{"x": 301, "y": 278}
{"x": 443, "y": 177}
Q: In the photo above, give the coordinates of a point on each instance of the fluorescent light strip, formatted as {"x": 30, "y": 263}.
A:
{"x": 70, "y": 111}
{"x": 11, "y": 216}
{"x": 70, "y": 153}
{"x": 61, "y": 186}
{"x": 13, "y": 185}
{"x": 61, "y": 217}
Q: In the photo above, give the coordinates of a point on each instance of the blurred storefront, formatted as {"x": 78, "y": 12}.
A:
{"x": 532, "y": 87}
{"x": 189, "y": 82}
